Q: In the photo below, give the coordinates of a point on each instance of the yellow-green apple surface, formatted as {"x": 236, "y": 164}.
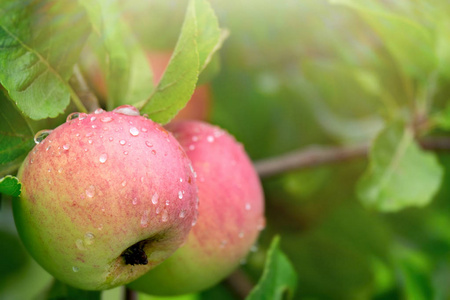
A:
{"x": 105, "y": 197}
{"x": 231, "y": 213}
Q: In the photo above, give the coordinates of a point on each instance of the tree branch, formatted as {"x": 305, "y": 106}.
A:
{"x": 315, "y": 156}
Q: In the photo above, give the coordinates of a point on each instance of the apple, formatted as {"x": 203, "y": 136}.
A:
{"x": 231, "y": 214}
{"x": 105, "y": 197}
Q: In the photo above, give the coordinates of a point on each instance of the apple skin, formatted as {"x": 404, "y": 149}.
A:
{"x": 88, "y": 194}
{"x": 231, "y": 214}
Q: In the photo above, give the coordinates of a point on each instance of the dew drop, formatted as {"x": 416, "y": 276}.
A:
{"x": 149, "y": 144}
{"x": 80, "y": 244}
{"x": 142, "y": 179}
{"x": 66, "y": 147}
{"x": 153, "y": 152}
{"x": 155, "y": 198}
{"x": 191, "y": 147}
{"x": 60, "y": 170}
{"x": 195, "y": 138}
{"x": 167, "y": 202}
{"x": 90, "y": 191}
{"x": 144, "y": 129}
{"x": 210, "y": 138}
{"x": 134, "y": 131}
{"x": 41, "y": 135}
{"x": 180, "y": 195}
{"x": 106, "y": 119}
{"x": 82, "y": 116}
{"x": 158, "y": 210}
{"x": 75, "y": 269}
{"x": 103, "y": 158}
{"x": 254, "y": 248}
{"x": 111, "y": 139}
{"x": 144, "y": 219}
{"x": 48, "y": 148}
{"x": 182, "y": 214}
{"x": 164, "y": 216}
{"x": 128, "y": 110}
{"x": 241, "y": 235}
{"x": 248, "y": 206}
{"x": 89, "y": 134}
{"x": 72, "y": 116}
{"x": 93, "y": 119}
{"x": 98, "y": 111}
{"x": 122, "y": 142}
{"x": 134, "y": 201}
{"x": 125, "y": 152}
{"x": 90, "y": 141}
{"x": 181, "y": 179}
{"x": 89, "y": 238}
{"x": 94, "y": 126}
{"x": 124, "y": 183}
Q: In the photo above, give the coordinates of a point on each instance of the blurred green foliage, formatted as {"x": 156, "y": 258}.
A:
{"x": 301, "y": 72}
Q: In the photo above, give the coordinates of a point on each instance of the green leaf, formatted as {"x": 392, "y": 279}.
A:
{"x": 10, "y": 185}
{"x": 16, "y": 137}
{"x": 400, "y": 174}
{"x": 40, "y": 42}
{"x": 279, "y": 279}
{"x": 400, "y": 35}
{"x": 62, "y": 291}
{"x": 129, "y": 78}
{"x": 199, "y": 39}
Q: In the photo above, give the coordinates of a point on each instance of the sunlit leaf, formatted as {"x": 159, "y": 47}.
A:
{"x": 400, "y": 174}
{"x": 279, "y": 279}
{"x": 200, "y": 37}
{"x": 40, "y": 41}
{"x": 129, "y": 78}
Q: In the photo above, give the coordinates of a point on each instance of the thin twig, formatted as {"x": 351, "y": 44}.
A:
{"x": 130, "y": 294}
{"x": 309, "y": 157}
{"x": 315, "y": 156}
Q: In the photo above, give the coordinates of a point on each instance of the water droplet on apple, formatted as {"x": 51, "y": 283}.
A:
{"x": 111, "y": 139}
{"x": 122, "y": 142}
{"x": 90, "y": 141}
{"x": 80, "y": 244}
{"x": 89, "y": 238}
{"x": 144, "y": 129}
{"x": 210, "y": 138}
{"x": 155, "y": 198}
{"x": 182, "y": 214}
{"x": 134, "y": 131}
{"x": 128, "y": 110}
{"x": 181, "y": 179}
{"x": 195, "y": 138}
{"x": 134, "y": 201}
{"x": 41, "y": 135}
{"x": 144, "y": 219}
{"x": 60, "y": 170}
{"x": 75, "y": 269}
{"x": 125, "y": 152}
{"x": 241, "y": 234}
{"x": 180, "y": 195}
{"x": 191, "y": 147}
{"x": 106, "y": 119}
{"x": 153, "y": 152}
{"x": 248, "y": 206}
{"x": 93, "y": 119}
{"x": 167, "y": 202}
{"x": 124, "y": 183}
{"x": 103, "y": 158}
{"x": 158, "y": 209}
{"x": 90, "y": 191}
{"x": 149, "y": 144}
{"x": 98, "y": 111}
{"x": 94, "y": 126}
{"x": 72, "y": 116}
{"x": 66, "y": 147}
{"x": 164, "y": 216}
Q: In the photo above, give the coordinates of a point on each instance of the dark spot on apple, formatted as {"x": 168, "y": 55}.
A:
{"x": 135, "y": 254}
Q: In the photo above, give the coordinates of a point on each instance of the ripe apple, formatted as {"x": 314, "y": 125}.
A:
{"x": 231, "y": 214}
{"x": 105, "y": 197}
